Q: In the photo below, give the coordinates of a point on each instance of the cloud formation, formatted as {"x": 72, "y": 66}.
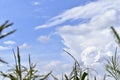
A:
{"x": 89, "y": 42}
{"x": 90, "y": 10}
{"x": 4, "y": 48}
{"x": 9, "y": 42}
{"x": 92, "y": 41}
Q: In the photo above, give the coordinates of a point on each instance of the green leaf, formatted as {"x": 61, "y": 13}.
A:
{"x": 84, "y": 75}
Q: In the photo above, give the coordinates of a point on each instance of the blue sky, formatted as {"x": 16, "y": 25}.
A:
{"x": 26, "y": 15}
{"x": 46, "y": 27}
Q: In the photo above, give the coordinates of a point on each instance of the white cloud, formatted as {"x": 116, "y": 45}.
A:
{"x": 86, "y": 11}
{"x": 9, "y": 42}
{"x": 43, "y": 38}
{"x": 89, "y": 42}
{"x": 57, "y": 67}
{"x": 24, "y": 46}
{"x": 92, "y": 41}
{"x": 52, "y": 65}
{"x": 4, "y": 48}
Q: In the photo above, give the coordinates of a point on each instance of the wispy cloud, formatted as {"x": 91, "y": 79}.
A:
{"x": 4, "y": 48}
{"x": 81, "y": 12}
{"x": 9, "y": 42}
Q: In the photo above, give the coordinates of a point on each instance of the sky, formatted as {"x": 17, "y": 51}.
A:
{"x": 46, "y": 27}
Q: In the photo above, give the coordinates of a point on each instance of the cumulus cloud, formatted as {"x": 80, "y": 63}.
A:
{"x": 89, "y": 42}
{"x": 92, "y": 41}
{"x": 9, "y": 42}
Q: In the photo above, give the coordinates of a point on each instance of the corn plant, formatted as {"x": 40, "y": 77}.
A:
{"x": 5, "y": 25}
{"x": 77, "y": 72}
{"x": 113, "y": 65}
{"x": 20, "y": 72}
